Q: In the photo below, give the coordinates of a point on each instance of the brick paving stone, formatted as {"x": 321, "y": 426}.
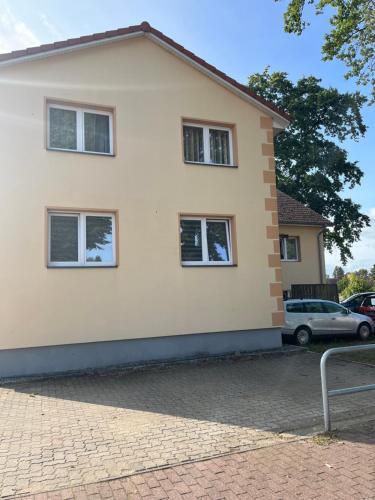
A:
{"x": 62, "y": 432}
{"x": 259, "y": 474}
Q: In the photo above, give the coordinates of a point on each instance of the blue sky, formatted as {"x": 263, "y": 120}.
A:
{"x": 239, "y": 37}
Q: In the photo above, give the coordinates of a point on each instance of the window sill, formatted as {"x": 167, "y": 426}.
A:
{"x": 209, "y": 164}
{"x": 82, "y": 267}
{"x": 91, "y": 153}
{"x": 208, "y": 265}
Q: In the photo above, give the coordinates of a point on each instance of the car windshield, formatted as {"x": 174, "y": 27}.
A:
{"x": 357, "y": 297}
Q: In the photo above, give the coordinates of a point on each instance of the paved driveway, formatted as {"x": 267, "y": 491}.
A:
{"x": 75, "y": 430}
{"x": 343, "y": 468}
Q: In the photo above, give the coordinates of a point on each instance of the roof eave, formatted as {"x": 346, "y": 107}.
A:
{"x": 303, "y": 224}
{"x": 280, "y": 122}
{"x": 71, "y": 48}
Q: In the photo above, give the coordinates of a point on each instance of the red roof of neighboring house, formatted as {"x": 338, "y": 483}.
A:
{"x": 294, "y": 212}
{"x": 145, "y": 28}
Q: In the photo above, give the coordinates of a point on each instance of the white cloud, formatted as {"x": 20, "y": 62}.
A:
{"x": 363, "y": 251}
{"x": 14, "y": 33}
{"x": 50, "y": 27}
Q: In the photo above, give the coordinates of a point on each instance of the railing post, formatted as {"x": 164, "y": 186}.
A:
{"x": 323, "y": 376}
{"x": 338, "y": 392}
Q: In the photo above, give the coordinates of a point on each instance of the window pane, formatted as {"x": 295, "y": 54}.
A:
{"x": 282, "y": 255}
{"x": 64, "y": 238}
{"x": 295, "y": 307}
{"x": 219, "y": 146}
{"x": 333, "y": 308}
{"x": 355, "y": 302}
{"x": 62, "y": 128}
{"x": 369, "y": 302}
{"x": 193, "y": 143}
{"x": 314, "y": 307}
{"x": 291, "y": 248}
{"x": 217, "y": 241}
{"x": 96, "y": 133}
{"x": 99, "y": 239}
{"x": 191, "y": 240}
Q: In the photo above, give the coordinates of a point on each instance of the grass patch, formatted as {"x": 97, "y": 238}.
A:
{"x": 321, "y": 345}
{"x": 325, "y": 438}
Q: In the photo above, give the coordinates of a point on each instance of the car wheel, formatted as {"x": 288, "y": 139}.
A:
{"x": 364, "y": 331}
{"x": 302, "y": 336}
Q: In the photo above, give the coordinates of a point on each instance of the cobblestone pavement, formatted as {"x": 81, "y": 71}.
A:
{"x": 296, "y": 470}
{"x": 69, "y": 431}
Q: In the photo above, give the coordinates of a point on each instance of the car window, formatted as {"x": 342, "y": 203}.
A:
{"x": 314, "y": 307}
{"x": 355, "y": 302}
{"x": 369, "y": 302}
{"x": 330, "y": 308}
{"x": 295, "y": 307}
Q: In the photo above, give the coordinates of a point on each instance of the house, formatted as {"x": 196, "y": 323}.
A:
{"x": 301, "y": 243}
{"x": 139, "y": 209}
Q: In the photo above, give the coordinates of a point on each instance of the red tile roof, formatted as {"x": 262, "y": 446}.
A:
{"x": 145, "y": 28}
{"x": 294, "y": 212}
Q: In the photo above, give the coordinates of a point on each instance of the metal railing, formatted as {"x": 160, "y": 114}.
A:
{"x": 338, "y": 392}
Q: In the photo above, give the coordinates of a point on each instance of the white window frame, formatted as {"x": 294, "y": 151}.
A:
{"x": 206, "y": 143}
{"x": 82, "y": 262}
{"x": 284, "y": 245}
{"x": 205, "y": 260}
{"x": 80, "y": 131}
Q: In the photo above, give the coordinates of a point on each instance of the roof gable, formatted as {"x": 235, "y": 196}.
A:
{"x": 293, "y": 212}
{"x": 281, "y": 119}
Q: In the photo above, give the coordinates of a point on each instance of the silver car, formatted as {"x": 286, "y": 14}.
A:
{"x": 305, "y": 318}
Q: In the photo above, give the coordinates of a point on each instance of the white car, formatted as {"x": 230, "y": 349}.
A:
{"x": 305, "y": 318}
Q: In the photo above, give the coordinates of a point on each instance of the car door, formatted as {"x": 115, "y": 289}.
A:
{"x": 316, "y": 317}
{"x": 368, "y": 307}
{"x": 338, "y": 319}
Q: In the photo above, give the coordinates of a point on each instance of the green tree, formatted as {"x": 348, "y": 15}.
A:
{"x": 342, "y": 284}
{"x": 338, "y": 272}
{"x": 351, "y": 38}
{"x": 355, "y": 284}
{"x": 363, "y": 273}
{"x": 372, "y": 275}
{"x": 310, "y": 165}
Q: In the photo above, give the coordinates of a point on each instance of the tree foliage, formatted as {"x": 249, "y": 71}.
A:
{"x": 352, "y": 35}
{"x": 356, "y": 282}
{"x": 338, "y": 272}
{"x": 310, "y": 165}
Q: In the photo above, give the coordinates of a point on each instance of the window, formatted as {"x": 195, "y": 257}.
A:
{"x": 81, "y": 239}
{"x": 289, "y": 248}
{"x": 314, "y": 307}
{"x": 369, "y": 302}
{"x": 332, "y": 308}
{"x": 205, "y": 241}
{"x": 207, "y": 144}
{"x": 295, "y": 307}
{"x": 78, "y": 129}
{"x": 353, "y": 303}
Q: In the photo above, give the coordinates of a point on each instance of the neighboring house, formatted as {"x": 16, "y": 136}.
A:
{"x": 301, "y": 243}
{"x": 139, "y": 210}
